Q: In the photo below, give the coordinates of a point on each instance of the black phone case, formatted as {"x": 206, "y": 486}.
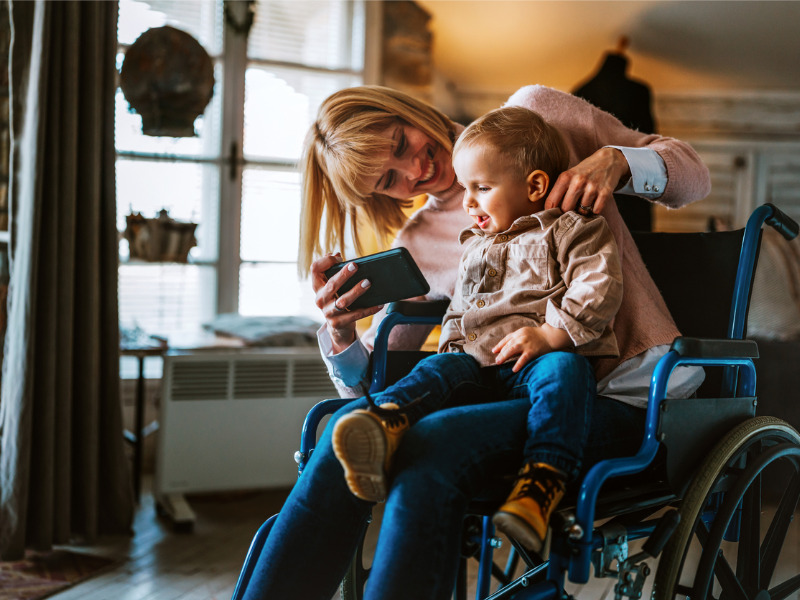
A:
{"x": 393, "y": 274}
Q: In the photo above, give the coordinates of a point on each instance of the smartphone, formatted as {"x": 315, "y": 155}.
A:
{"x": 393, "y": 274}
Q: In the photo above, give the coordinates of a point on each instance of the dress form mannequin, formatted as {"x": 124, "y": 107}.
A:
{"x": 629, "y": 100}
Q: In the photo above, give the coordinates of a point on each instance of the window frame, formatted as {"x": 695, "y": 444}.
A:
{"x": 231, "y": 162}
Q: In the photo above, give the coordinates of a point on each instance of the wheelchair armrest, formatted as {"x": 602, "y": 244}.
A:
{"x": 423, "y": 308}
{"x": 715, "y": 348}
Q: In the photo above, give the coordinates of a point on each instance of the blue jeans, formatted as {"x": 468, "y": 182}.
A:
{"x": 558, "y": 419}
{"x": 449, "y": 457}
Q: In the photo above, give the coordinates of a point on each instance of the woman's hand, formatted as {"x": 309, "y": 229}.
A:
{"x": 589, "y": 186}
{"x": 530, "y": 342}
{"x": 340, "y": 320}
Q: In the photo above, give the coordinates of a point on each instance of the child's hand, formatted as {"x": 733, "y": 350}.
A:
{"x": 529, "y": 343}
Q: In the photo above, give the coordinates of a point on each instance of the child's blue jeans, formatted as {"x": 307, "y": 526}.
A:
{"x": 558, "y": 419}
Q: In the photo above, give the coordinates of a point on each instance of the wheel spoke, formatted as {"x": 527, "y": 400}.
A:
{"x": 732, "y": 588}
{"x": 776, "y": 534}
{"x": 748, "y": 567}
{"x": 779, "y": 592}
{"x": 722, "y": 570}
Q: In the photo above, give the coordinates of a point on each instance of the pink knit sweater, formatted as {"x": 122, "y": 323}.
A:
{"x": 431, "y": 234}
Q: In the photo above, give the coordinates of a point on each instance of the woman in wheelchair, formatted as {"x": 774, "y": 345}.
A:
{"x": 370, "y": 150}
{"x": 561, "y": 288}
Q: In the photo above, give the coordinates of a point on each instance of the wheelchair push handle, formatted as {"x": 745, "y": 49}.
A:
{"x": 782, "y": 223}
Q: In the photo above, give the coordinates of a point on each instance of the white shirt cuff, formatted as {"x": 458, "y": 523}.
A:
{"x": 349, "y": 367}
{"x": 648, "y": 173}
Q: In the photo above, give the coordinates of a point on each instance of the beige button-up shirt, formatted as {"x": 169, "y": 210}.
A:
{"x": 558, "y": 268}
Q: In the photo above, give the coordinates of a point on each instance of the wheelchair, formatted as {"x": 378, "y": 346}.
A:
{"x": 692, "y": 495}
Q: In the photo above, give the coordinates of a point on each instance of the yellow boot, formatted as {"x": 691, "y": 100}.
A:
{"x": 526, "y": 513}
{"x": 364, "y": 441}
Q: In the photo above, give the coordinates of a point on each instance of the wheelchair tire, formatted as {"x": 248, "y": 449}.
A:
{"x": 735, "y": 466}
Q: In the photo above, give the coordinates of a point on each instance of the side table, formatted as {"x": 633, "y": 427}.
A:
{"x": 140, "y": 348}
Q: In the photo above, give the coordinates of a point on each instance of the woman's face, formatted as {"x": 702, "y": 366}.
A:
{"x": 415, "y": 164}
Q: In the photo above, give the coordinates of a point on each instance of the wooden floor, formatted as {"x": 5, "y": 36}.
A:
{"x": 158, "y": 563}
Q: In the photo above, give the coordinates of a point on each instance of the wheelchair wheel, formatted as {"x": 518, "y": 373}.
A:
{"x": 722, "y": 510}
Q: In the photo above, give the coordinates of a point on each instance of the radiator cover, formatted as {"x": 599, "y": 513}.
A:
{"x": 231, "y": 419}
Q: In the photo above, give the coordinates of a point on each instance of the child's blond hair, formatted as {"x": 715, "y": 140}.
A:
{"x": 523, "y": 137}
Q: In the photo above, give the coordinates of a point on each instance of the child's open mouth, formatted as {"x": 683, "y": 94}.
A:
{"x": 483, "y": 221}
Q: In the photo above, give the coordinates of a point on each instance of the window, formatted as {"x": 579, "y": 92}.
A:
{"x": 238, "y": 177}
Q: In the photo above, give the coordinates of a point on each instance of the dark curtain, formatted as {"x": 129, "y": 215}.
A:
{"x": 63, "y": 468}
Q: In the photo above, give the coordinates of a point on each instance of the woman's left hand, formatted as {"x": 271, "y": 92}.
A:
{"x": 589, "y": 186}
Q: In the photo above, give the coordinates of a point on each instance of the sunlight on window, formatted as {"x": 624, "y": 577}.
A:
{"x": 199, "y": 18}
{"x": 270, "y": 214}
{"x": 276, "y": 132}
{"x": 166, "y": 298}
{"x": 274, "y": 290}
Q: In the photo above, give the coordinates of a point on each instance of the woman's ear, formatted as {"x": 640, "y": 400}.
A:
{"x": 538, "y": 182}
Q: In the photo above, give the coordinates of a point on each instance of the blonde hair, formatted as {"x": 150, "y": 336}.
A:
{"x": 344, "y": 148}
{"x": 521, "y": 135}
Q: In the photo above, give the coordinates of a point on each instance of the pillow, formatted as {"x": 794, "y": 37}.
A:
{"x": 775, "y": 303}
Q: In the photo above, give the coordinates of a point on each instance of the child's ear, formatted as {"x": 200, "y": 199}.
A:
{"x": 538, "y": 182}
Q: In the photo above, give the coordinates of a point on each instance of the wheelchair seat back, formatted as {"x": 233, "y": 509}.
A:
{"x": 696, "y": 275}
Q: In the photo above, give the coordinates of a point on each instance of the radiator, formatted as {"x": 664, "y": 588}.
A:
{"x": 231, "y": 420}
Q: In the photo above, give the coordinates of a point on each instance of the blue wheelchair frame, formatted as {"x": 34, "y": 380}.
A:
{"x": 739, "y": 380}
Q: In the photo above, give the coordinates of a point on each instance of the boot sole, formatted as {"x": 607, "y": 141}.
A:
{"x": 517, "y": 528}
{"x": 360, "y": 446}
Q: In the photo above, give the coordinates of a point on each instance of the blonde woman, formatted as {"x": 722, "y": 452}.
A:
{"x": 370, "y": 150}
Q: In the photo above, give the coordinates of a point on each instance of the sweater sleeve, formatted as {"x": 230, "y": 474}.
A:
{"x": 587, "y": 128}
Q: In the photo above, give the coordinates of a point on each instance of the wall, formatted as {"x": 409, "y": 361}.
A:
{"x": 493, "y": 47}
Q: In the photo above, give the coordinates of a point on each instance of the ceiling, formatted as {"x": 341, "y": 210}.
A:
{"x": 498, "y": 45}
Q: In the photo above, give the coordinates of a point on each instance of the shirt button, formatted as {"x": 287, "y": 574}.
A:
{"x": 472, "y": 337}
{"x": 492, "y": 272}
{"x": 502, "y": 238}
{"x": 646, "y": 187}
{"x": 655, "y": 188}
{"x": 481, "y": 303}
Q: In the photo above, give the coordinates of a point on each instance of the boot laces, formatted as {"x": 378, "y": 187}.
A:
{"x": 392, "y": 417}
{"x": 543, "y": 488}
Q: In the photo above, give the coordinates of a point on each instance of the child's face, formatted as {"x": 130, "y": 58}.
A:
{"x": 494, "y": 195}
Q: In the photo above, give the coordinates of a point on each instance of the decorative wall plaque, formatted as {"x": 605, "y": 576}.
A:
{"x": 168, "y": 78}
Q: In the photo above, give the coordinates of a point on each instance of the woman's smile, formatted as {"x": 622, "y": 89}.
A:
{"x": 429, "y": 173}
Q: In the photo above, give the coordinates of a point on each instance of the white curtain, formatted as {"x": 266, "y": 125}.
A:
{"x": 63, "y": 471}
